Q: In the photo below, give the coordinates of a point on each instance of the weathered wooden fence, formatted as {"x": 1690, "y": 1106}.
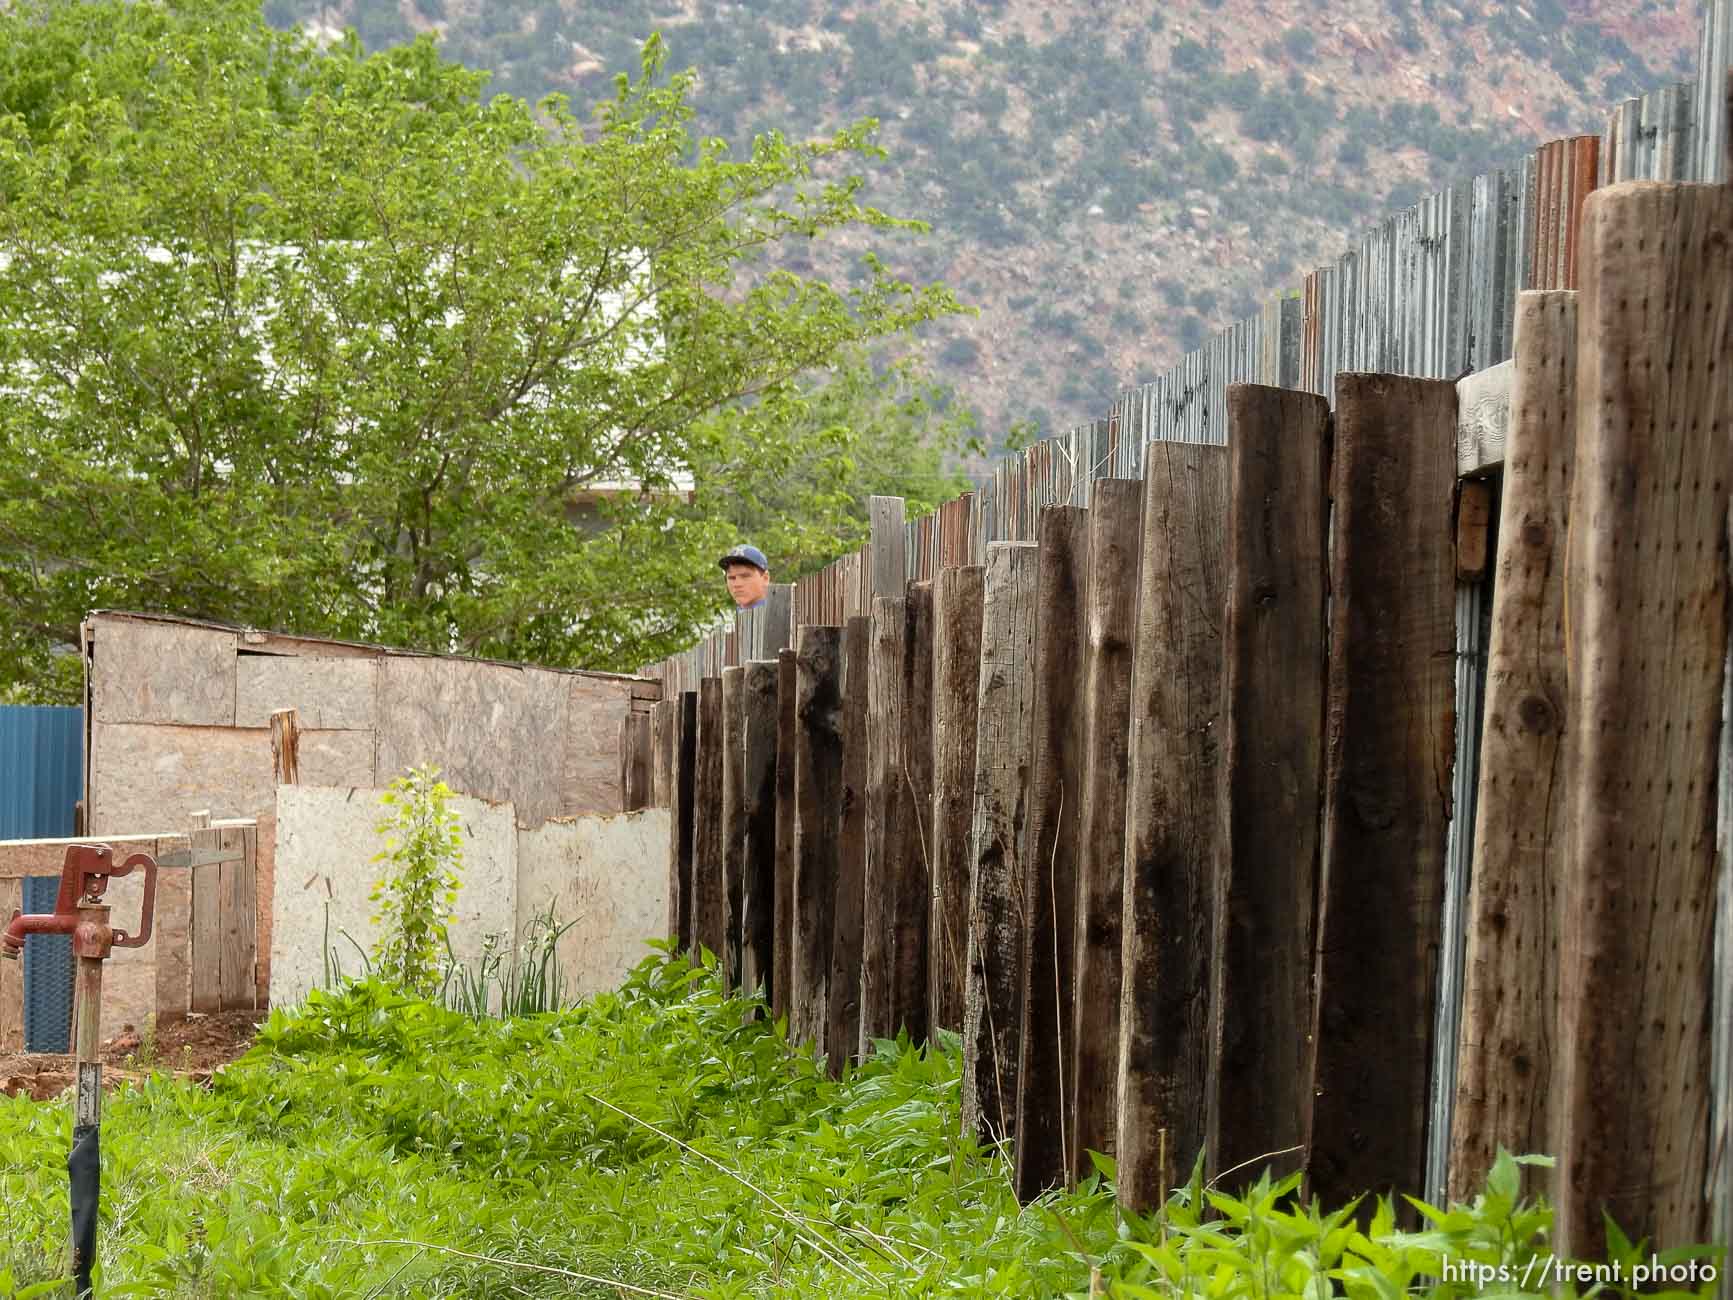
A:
{"x": 1217, "y": 733}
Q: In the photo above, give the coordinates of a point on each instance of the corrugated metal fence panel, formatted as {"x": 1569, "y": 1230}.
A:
{"x": 1714, "y": 62}
{"x": 41, "y": 782}
{"x": 41, "y": 770}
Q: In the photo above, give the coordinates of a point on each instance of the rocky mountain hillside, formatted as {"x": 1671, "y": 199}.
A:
{"x": 1107, "y": 183}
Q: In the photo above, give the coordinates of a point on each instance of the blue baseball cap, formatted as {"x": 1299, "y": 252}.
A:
{"x": 746, "y": 555}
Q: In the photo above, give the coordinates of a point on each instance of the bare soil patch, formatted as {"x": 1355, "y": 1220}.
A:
{"x": 190, "y": 1049}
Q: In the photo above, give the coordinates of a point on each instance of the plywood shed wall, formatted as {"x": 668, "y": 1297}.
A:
{"x": 179, "y": 721}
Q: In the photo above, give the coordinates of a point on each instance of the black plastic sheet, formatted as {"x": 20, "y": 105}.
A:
{"x": 84, "y": 1168}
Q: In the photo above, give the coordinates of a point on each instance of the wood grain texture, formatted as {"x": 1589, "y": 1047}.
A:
{"x": 1272, "y": 774}
{"x": 999, "y": 840}
{"x": 171, "y": 938}
{"x": 11, "y": 973}
{"x": 265, "y": 894}
{"x": 1390, "y": 750}
{"x": 661, "y": 752}
{"x": 957, "y": 596}
{"x": 758, "y": 850}
{"x": 899, "y": 782}
{"x": 1482, "y": 419}
{"x": 329, "y": 693}
{"x": 682, "y": 795}
{"x": 1110, "y": 611}
{"x": 818, "y": 827}
{"x": 787, "y": 730}
{"x": 709, "y": 908}
{"x": 149, "y": 672}
{"x": 733, "y": 820}
{"x": 842, "y": 1035}
{"x": 285, "y": 727}
{"x": 886, "y": 548}
{"x": 1172, "y": 820}
{"x": 1505, "y": 1053}
{"x": 1474, "y": 505}
{"x": 205, "y": 959}
{"x": 1646, "y": 601}
{"x": 1045, "y": 1045}
{"x": 237, "y": 900}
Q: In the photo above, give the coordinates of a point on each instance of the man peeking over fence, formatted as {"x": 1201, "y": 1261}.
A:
{"x": 748, "y": 575}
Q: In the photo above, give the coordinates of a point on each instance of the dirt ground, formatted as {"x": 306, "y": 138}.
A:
{"x": 189, "y": 1049}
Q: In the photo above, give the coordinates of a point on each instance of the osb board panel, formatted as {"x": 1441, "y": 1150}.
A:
{"x": 608, "y": 875}
{"x": 326, "y": 839}
{"x": 11, "y": 976}
{"x": 20, "y": 858}
{"x": 329, "y": 694}
{"x": 162, "y": 672}
{"x": 156, "y": 775}
{"x": 591, "y": 776}
{"x": 496, "y": 733}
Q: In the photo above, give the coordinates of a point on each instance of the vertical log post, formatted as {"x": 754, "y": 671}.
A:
{"x": 1646, "y": 591}
{"x": 1172, "y": 820}
{"x": 899, "y": 704}
{"x": 1110, "y": 613}
{"x": 733, "y": 820}
{"x": 818, "y": 827}
{"x": 993, "y": 977}
{"x": 787, "y": 728}
{"x": 1272, "y": 776}
{"x": 682, "y": 801}
{"x": 842, "y": 1037}
{"x": 286, "y": 746}
{"x": 709, "y": 908}
{"x": 636, "y": 755}
{"x": 957, "y": 595}
{"x": 1390, "y": 750}
{"x": 1044, "y": 1108}
{"x": 1504, "y": 1072}
{"x": 758, "y": 853}
{"x": 662, "y": 750}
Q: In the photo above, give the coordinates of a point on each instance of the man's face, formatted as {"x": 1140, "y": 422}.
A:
{"x": 747, "y": 583}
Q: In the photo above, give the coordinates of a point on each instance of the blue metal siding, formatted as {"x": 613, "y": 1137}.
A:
{"x": 41, "y": 780}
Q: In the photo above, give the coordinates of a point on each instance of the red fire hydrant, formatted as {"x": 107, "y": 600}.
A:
{"x": 80, "y": 912}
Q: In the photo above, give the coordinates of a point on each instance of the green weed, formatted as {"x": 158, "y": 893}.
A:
{"x": 654, "y": 1141}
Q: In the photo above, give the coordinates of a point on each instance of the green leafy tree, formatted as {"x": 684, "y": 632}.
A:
{"x": 417, "y": 896}
{"x": 303, "y": 337}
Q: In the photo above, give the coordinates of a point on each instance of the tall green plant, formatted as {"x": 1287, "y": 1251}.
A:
{"x": 417, "y": 896}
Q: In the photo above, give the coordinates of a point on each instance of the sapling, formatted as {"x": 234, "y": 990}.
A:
{"x": 417, "y": 896}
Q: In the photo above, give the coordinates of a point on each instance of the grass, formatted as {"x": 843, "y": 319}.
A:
{"x": 654, "y": 1141}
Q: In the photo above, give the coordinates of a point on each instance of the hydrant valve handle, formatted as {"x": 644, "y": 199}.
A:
{"x": 148, "y": 906}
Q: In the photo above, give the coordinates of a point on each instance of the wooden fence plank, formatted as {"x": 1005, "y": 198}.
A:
{"x": 1049, "y": 921}
{"x": 957, "y": 594}
{"x": 172, "y": 938}
{"x": 993, "y": 977}
{"x": 709, "y": 908}
{"x": 886, "y": 550}
{"x": 662, "y": 752}
{"x": 1115, "y": 512}
{"x": 733, "y": 829}
{"x": 235, "y": 891}
{"x": 11, "y": 973}
{"x": 1272, "y": 772}
{"x": 818, "y": 827}
{"x": 1646, "y": 587}
{"x": 1505, "y": 1054}
{"x": 682, "y": 798}
{"x": 1391, "y": 748}
{"x": 1172, "y": 820}
{"x": 842, "y": 1036}
{"x": 787, "y": 729}
{"x": 758, "y": 816}
{"x": 207, "y": 931}
{"x": 898, "y": 886}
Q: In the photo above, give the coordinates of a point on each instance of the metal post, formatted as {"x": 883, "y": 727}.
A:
{"x": 91, "y": 942}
